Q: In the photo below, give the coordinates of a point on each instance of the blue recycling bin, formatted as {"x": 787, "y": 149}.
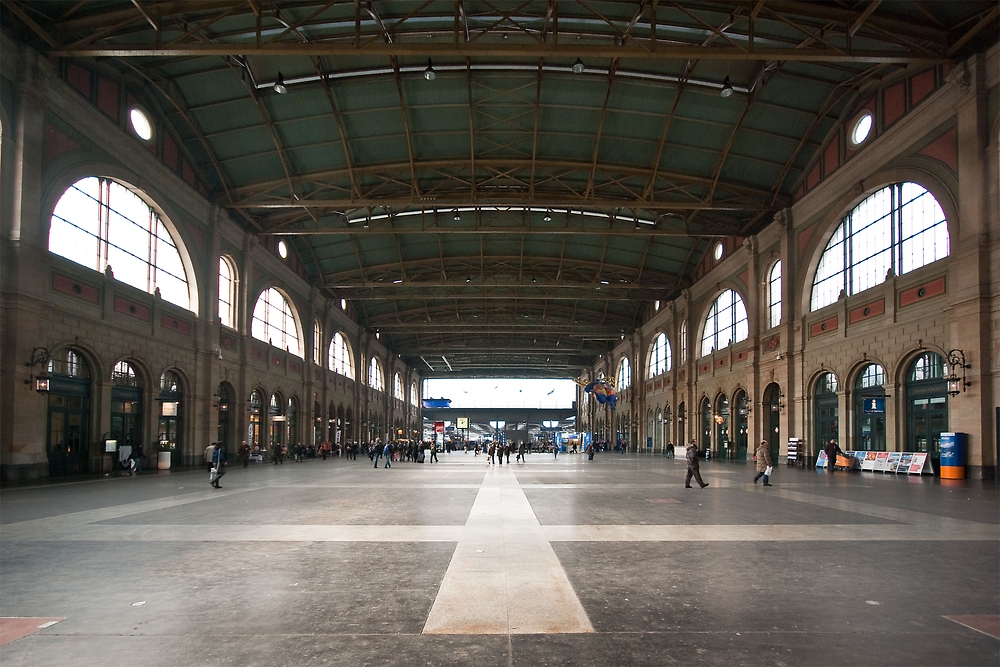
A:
{"x": 953, "y": 455}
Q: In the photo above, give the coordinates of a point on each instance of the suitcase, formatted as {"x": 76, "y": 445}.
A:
{"x": 420, "y": 457}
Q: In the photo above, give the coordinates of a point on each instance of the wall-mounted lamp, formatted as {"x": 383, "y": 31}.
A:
{"x": 956, "y": 385}
{"x": 39, "y": 357}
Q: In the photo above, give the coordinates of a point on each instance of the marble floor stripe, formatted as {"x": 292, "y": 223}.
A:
{"x": 504, "y": 577}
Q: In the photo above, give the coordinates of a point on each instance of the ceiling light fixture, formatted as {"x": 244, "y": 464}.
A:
{"x": 548, "y": 216}
{"x": 727, "y": 88}
{"x": 429, "y": 73}
{"x": 279, "y": 85}
{"x": 578, "y": 67}
{"x": 457, "y": 217}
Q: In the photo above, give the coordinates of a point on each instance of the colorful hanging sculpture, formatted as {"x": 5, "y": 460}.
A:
{"x": 603, "y": 390}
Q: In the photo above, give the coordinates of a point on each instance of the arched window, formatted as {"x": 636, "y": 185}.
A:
{"x": 726, "y": 322}
{"x": 341, "y": 359}
{"x": 684, "y": 341}
{"x": 414, "y": 400}
{"x": 659, "y": 356}
{"x": 624, "y": 374}
{"x": 274, "y": 321}
{"x": 397, "y": 387}
{"x": 375, "y": 378}
{"x": 100, "y": 223}
{"x": 317, "y": 341}
{"x": 774, "y": 295}
{"x": 227, "y": 292}
{"x": 901, "y": 227}
{"x": 124, "y": 375}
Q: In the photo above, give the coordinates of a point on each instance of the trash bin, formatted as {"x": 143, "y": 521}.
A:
{"x": 953, "y": 455}
{"x": 163, "y": 460}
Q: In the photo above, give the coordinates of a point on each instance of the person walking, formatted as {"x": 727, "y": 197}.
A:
{"x": 506, "y": 451}
{"x": 208, "y": 456}
{"x": 763, "y": 458}
{"x": 387, "y": 453}
{"x": 832, "y": 449}
{"x": 520, "y": 452}
{"x": 694, "y": 467}
{"x": 555, "y": 451}
{"x": 219, "y": 466}
{"x": 491, "y": 451}
{"x": 434, "y": 453}
{"x": 244, "y": 453}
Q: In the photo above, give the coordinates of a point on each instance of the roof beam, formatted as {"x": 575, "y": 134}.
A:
{"x": 474, "y": 49}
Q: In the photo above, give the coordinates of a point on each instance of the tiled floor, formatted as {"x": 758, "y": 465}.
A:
{"x": 552, "y": 562}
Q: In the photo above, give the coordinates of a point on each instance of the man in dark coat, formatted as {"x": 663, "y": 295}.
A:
{"x": 694, "y": 467}
{"x": 832, "y": 449}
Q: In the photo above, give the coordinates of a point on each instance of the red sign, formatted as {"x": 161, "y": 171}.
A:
{"x": 439, "y": 427}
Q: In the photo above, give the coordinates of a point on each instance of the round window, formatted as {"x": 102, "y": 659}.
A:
{"x": 282, "y": 249}
{"x": 862, "y": 129}
{"x": 718, "y": 251}
{"x": 140, "y": 124}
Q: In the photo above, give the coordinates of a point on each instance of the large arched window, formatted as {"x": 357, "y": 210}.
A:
{"x": 341, "y": 359}
{"x": 624, "y": 374}
{"x": 414, "y": 401}
{"x": 659, "y": 356}
{"x": 397, "y": 387}
{"x": 375, "y": 378}
{"x": 774, "y": 295}
{"x": 100, "y": 223}
{"x": 274, "y": 321}
{"x": 227, "y": 292}
{"x": 726, "y": 322}
{"x": 901, "y": 227}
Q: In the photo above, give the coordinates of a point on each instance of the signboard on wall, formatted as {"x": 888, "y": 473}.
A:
{"x": 439, "y": 427}
{"x": 874, "y": 406}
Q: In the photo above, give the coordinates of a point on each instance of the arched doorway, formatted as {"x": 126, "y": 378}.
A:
{"x": 276, "y": 414}
{"x": 68, "y": 419}
{"x": 650, "y": 428}
{"x": 292, "y": 422}
{"x": 869, "y": 409}
{"x": 126, "y": 405}
{"x": 772, "y": 401}
{"x": 926, "y": 405}
{"x": 256, "y": 416}
{"x": 665, "y": 427}
{"x": 169, "y": 428}
{"x": 681, "y": 426}
{"x": 705, "y": 433}
{"x": 721, "y": 419}
{"x": 317, "y": 436}
{"x": 658, "y": 432}
{"x": 223, "y": 410}
{"x": 741, "y": 425}
{"x": 825, "y": 411}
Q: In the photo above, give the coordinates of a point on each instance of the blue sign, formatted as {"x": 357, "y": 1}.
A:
{"x": 874, "y": 406}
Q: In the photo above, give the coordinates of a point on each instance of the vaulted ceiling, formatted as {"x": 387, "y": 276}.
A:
{"x": 502, "y": 188}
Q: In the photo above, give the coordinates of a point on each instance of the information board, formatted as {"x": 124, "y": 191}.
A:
{"x": 881, "y": 461}
{"x": 893, "y": 462}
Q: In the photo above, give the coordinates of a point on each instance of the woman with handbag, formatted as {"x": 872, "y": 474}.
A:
{"x": 763, "y": 458}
